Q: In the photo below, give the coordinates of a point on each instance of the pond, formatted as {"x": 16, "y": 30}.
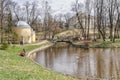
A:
{"x": 81, "y": 63}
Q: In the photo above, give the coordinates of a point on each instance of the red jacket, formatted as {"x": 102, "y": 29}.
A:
{"x": 22, "y": 54}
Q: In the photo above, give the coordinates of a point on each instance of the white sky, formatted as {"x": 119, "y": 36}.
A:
{"x": 58, "y": 6}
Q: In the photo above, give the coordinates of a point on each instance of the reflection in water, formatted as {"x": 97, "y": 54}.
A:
{"x": 91, "y": 63}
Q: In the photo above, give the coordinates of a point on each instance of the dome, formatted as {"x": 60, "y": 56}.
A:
{"x": 22, "y": 24}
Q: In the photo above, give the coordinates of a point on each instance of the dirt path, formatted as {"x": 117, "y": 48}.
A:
{"x": 43, "y": 45}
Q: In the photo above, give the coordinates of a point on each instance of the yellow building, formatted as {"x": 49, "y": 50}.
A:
{"x": 25, "y": 32}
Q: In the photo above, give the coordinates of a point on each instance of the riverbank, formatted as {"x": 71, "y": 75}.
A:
{"x": 99, "y": 44}
{"x": 105, "y": 44}
{"x": 15, "y": 67}
{"x": 43, "y": 45}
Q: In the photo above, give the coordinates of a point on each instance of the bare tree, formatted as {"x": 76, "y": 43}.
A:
{"x": 99, "y": 13}
{"x": 88, "y": 9}
{"x": 31, "y": 10}
{"x": 3, "y": 5}
{"x": 46, "y": 17}
{"x": 117, "y": 20}
{"x": 77, "y": 8}
{"x": 27, "y": 7}
{"x": 67, "y": 20}
{"x": 111, "y": 8}
{"x": 16, "y": 11}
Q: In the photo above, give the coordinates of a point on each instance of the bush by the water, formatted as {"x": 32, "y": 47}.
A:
{"x": 4, "y": 46}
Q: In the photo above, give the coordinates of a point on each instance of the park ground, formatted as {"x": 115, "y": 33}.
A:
{"x": 15, "y": 67}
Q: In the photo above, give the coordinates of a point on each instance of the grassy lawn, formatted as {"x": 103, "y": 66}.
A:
{"x": 106, "y": 44}
{"x": 15, "y": 67}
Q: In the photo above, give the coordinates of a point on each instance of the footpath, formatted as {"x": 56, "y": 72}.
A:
{"x": 43, "y": 45}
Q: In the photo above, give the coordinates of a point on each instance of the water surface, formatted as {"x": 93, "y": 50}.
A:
{"x": 81, "y": 63}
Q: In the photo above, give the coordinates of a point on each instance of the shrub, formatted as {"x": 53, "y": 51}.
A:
{"x": 4, "y": 46}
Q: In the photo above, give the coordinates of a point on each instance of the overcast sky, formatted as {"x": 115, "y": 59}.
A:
{"x": 59, "y": 6}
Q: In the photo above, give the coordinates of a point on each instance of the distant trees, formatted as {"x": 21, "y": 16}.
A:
{"x": 55, "y": 27}
{"x": 106, "y": 14}
{"x": 4, "y": 11}
{"x": 47, "y": 19}
{"x": 16, "y": 11}
{"x": 114, "y": 15}
{"x": 32, "y": 13}
{"x": 38, "y": 17}
{"x": 117, "y": 24}
{"x": 9, "y": 28}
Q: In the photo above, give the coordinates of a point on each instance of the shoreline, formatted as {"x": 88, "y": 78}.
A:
{"x": 43, "y": 46}
{"x": 98, "y": 44}
{"x": 29, "y": 55}
{"x": 14, "y": 66}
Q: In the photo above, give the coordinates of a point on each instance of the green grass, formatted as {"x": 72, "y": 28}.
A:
{"x": 106, "y": 44}
{"x": 15, "y": 67}
{"x": 101, "y": 44}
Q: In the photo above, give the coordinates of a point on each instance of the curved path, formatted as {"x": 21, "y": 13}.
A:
{"x": 43, "y": 45}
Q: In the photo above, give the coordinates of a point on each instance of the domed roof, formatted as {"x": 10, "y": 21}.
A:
{"x": 22, "y": 24}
